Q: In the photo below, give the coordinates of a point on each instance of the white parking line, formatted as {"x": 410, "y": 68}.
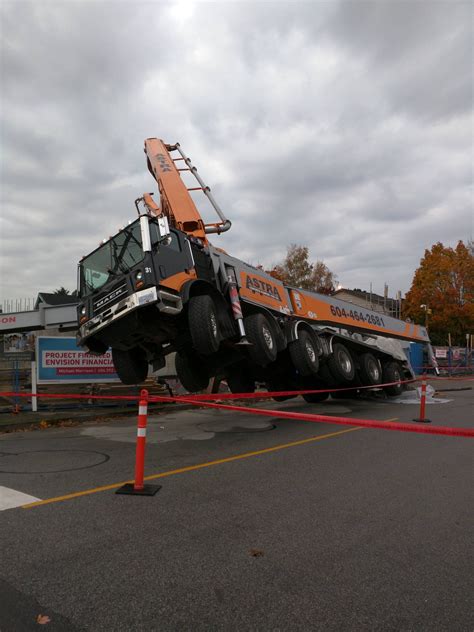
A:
{"x": 10, "y": 498}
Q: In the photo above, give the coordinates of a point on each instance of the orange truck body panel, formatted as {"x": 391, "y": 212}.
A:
{"x": 257, "y": 289}
{"x": 176, "y": 281}
{"x": 326, "y": 310}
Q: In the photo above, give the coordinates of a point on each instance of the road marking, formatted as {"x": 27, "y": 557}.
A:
{"x": 191, "y": 468}
{"x": 10, "y": 498}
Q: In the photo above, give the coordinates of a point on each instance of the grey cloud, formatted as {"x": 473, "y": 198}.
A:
{"x": 421, "y": 51}
{"x": 342, "y": 126}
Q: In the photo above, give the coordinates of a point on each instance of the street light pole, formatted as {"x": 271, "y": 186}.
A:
{"x": 427, "y": 312}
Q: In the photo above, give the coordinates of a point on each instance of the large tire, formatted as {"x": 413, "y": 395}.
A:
{"x": 239, "y": 381}
{"x": 275, "y": 386}
{"x": 131, "y": 365}
{"x": 190, "y": 373}
{"x": 352, "y": 394}
{"x": 341, "y": 363}
{"x": 314, "y": 398}
{"x": 309, "y": 383}
{"x": 260, "y": 334}
{"x": 304, "y": 354}
{"x": 391, "y": 372}
{"x": 369, "y": 370}
{"x": 203, "y": 324}
{"x": 327, "y": 377}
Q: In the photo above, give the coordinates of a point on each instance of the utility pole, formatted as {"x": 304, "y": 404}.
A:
{"x": 427, "y": 313}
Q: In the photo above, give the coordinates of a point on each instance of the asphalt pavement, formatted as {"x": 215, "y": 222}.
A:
{"x": 261, "y": 523}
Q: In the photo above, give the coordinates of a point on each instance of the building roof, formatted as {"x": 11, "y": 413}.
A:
{"x": 363, "y": 294}
{"x": 49, "y": 298}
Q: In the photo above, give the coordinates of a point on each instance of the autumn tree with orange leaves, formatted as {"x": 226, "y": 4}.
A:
{"x": 442, "y": 293}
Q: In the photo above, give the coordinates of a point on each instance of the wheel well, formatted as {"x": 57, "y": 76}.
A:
{"x": 96, "y": 346}
{"x": 292, "y": 329}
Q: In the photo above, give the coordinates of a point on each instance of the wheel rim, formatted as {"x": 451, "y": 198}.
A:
{"x": 374, "y": 371}
{"x": 310, "y": 351}
{"x": 213, "y": 322}
{"x": 345, "y": 363}
{"x": 267, "y": 336}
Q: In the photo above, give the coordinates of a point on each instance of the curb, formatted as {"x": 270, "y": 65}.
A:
{"x": 43, "y": 420}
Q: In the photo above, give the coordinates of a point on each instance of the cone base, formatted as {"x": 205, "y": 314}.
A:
{"x": 146, "y": 490}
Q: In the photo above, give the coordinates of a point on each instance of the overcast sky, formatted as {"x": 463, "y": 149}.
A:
{"x": 343, "y": 126}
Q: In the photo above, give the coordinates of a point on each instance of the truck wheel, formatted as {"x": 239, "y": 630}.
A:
{"x": 131, "y": 365}
{"x": 260, "y": 334}
{"x": 304, "y": 354}
{"x": 279, "y": 386}
{"x": 341, "y": 363}
{"x": 313, "y": 398}
{"x": 240, "y": 378}
{"x": 391, "y": 372}
{"x": 239, "y": 382}
{"x": 369, "y": 370}
{"x": 327, "y": 376}
{"x": 203, "y": 324}
{"x": 191, "y": 373}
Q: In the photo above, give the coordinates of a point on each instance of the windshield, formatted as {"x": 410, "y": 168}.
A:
{"x": 118, "y": 255}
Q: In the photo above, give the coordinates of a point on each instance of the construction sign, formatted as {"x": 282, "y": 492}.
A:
{"x": 61, "y": 360}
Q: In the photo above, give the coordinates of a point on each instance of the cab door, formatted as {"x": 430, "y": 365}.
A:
{"x": 170, "y": 256}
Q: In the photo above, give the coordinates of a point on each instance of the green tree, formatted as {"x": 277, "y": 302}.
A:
{"x": 62, "y": 291}
{"x": 442, "y": 293}
{"x": 297, "y": 271}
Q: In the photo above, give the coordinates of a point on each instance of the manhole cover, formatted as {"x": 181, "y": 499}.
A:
{"x": 49, "y": 461}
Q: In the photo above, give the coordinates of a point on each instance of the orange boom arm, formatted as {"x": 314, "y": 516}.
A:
{"x": 176, "y": 202}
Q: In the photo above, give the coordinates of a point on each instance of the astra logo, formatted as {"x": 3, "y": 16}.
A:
{"x": 164, "y": 164}
{"x": 263, "y": 287}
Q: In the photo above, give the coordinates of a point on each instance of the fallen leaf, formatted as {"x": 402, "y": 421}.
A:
{"x": 256, "y": 552}
{"x": 43, "y": 619}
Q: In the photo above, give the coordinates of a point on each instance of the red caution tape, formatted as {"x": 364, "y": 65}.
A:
{"x": 132, "y": 398}
{"x": 222, "y": 396}
{"x": 203, "y": 401}
{"x": 345, "y": 421}
{"x": 270, "y": 394}
{"x": 459, "y": 378}
{"x": 205, "y": 396}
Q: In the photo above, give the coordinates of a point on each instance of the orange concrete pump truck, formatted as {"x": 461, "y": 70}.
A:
{"x": 159, "y": 286}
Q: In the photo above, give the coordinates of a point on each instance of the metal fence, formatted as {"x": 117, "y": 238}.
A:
{"x": 455, "y": 360}
{"x": 25, "y": 304}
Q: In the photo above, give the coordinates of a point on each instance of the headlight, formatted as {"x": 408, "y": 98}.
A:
{"x": 139, "y": 275}
{"x": 83, "y": 310}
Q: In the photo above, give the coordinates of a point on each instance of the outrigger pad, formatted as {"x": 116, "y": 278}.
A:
{"x": 147, "y": 490}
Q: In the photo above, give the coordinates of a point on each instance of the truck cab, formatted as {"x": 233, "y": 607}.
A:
{"x": 138, "y": 267}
